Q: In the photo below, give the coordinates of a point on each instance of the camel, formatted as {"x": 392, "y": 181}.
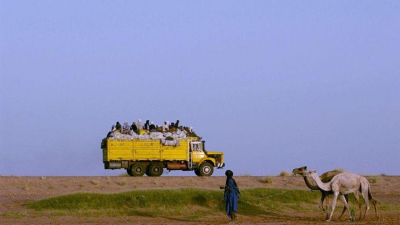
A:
{"x": 343, "y": 184}
{"x": 325, "y": 177}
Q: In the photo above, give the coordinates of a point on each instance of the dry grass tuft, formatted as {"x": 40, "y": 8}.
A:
{"x": 267, "y": 180}
{"x": 121, "y": 183}
{"x": 26, "y": 187}
{"x": 373, "y": 180}
{"x": 285, "y": 174}
{"x": 94, "y": 182}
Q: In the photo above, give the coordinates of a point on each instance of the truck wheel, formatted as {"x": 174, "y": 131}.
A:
{"x": 206, "y": 169}
{"x": 155, "y": 170}
{"x": 147, "y": 173}
{"x": 129, "y": 172}
{"x": 197, "y": 172}
{"x": 138, "y": 169}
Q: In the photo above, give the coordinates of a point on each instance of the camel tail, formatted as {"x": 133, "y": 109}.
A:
{"x": 370, "y": 197}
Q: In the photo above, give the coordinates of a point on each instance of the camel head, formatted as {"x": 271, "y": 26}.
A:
{"x": 301, "y": 170}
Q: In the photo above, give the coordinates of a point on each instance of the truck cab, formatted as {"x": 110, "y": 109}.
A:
{"x": 203, "y": 161}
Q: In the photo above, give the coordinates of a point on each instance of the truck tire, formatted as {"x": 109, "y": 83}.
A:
{"x": 197, "y": 172}
{"x": 206, "y": 169}
{"x": 155, "y": 170}
{"x": 129, "y": 172}
{"x": 138, "y": 169}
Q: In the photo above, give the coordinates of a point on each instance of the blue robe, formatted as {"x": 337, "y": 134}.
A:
{"x": 231, "y": 197}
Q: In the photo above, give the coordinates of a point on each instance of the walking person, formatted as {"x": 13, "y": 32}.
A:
{"x": 231, "y": 195}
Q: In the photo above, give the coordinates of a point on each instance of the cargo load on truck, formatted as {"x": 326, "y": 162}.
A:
{"x": 150, "y": 152}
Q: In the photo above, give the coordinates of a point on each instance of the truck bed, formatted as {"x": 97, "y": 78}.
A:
{"x": 137, "y": 150}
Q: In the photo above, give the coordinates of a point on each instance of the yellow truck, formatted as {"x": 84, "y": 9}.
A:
{"x": 151, "y": 156}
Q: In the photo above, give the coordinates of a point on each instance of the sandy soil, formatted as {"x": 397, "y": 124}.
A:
{"x": 17, "y": 191}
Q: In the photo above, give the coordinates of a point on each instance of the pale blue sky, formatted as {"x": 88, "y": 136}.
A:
{"x": 273, "y": 84}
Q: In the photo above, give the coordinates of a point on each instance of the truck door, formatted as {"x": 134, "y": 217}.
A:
{"x": 197, "y": 151}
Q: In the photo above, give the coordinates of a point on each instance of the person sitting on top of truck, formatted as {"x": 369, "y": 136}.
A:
{"x": 118, "y": 126}
{"x": 111, "y": 133}
{"x": 177, "y": 124}
{"x": 125, "y": 128}
{"x": 172, "y": 128}
{"x": 189, "y": 132}
{"x": 152, "y": 127}
{"x": 165, "y": 127}
{"x": 134, "y": 127}
{"x": 147, "y": 125}
{"x": 140, "y": 125}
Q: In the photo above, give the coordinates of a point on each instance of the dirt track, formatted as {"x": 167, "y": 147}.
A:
{"x": 17, "y": 191}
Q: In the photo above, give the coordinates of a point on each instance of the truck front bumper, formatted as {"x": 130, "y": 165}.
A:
{"x": 220, "y": 165}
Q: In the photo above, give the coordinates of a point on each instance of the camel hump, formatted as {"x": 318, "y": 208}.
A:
{"x": 326, "y": 177}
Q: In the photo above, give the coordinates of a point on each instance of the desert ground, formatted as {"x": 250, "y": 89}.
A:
{"x": 16, "y": 191}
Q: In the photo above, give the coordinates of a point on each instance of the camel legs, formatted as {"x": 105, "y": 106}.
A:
{"x": 324, "y": 198}
{"x": 364, "y": 193}
{"x": 374, "y": 202}
{"x": 327, "y": 204}
{"x": 334, "y": 201}
{"x": 357, "y": 197}
{"x": 335, "y": 196}
{"x": 321, "y": 203}
{"x": 346, "y": 205}
{"x": 346, "y": 199}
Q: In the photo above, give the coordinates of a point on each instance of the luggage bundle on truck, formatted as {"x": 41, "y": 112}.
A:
{"x": 151, "y": 156}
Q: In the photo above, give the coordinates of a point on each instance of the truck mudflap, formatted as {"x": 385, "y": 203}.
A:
{"x": 220, "y": 165}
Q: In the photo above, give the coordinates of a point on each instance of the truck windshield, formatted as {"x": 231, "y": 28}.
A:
{"x": 196, "y": 147}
